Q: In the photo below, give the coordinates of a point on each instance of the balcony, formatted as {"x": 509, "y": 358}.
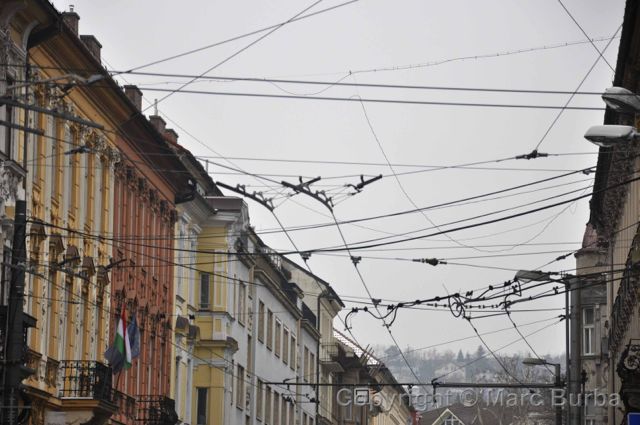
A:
{"x": 156, "y": 410}
{"x": 29, "y": 358}
{"x": 329, "y": 352}
{"x": 126, "y": 406}
{"x": 86, "y": 380}
{"x": 85, "y": 389}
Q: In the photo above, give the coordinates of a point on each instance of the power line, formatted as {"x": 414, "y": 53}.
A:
{"x": 483, "y": 223}
{"x": 557, "y": 117}
{"x": 219, "y": 43}
{"x": 228, "y": 58}
{"x": 226, "y": 78}
{"x": 376, "y": 100}
{"x": 586, "y": 35}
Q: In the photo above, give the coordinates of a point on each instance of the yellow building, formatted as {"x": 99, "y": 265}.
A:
{"x": 215, "y": 347}
{"x": 192, "y": 215}
{"x": 62, "y": 131}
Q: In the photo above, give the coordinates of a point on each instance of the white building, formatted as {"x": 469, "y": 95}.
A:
{"x": 256, "y": 356}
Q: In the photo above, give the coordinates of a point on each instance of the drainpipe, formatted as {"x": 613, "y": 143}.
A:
{"x": 612, "y": 356}
{"x": 322, "y": 294}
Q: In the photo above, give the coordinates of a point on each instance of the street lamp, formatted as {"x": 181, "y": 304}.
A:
{"x": 525, "y": 276}
{"x": 621, "y": 100}
{"x": 610, "y": 135}
{"x": 531, "y": 361}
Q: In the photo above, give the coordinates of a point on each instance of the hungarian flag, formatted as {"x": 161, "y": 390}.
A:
{"x": 119, "y": 353}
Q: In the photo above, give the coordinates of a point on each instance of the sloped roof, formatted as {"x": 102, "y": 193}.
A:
{"x": 360, "y": 352}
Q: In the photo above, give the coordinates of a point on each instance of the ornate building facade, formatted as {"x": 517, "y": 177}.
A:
{"x": 68, "y": 195}
{"x": 615, "y": 208}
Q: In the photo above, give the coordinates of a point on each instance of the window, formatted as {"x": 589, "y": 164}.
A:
{"x": 7, "y": 141}
{"x": 285, "y": 346}
{"x": 292, "y": 419}
{"x": 304, "y": 418}
{"x": 293, "y": 354}
{"x": 312, "y": 366}
{"x": 201, "y": 407}
{"x": 242, "y": 296}
{"x": 283, "y": 412}
{"x": 451, "y": 420}
{"x": 278, "y": 338}
{"x": 269, "y": 330}
{"x": 259, "y": 397}
{"x": 267, "y": 406}
{"x": 205, "y": 282}
{"x": 53, "y": 171}
{"x": 261, "y": 321}
{"x": 306, "y": 364}
{"x": 588, "y": 327}
{"x": 240, "y": 388}
{"x": 176, "y": 382}
{"x": 249, "y": 353}
{"x": 276, "y": 408}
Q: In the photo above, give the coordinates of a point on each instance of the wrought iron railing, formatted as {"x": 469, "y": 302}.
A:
{"x": 156, "y": 410}
{"x": 85, "y": 379}
{"x": 126, "y": 404}
{"x": 328, "y": 351}
{"x": 623, "y": 308}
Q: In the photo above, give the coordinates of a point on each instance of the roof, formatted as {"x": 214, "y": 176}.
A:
{"x": 627, "y": 77}
{"x": 332, "y": 292}
{"x": 360, "y": 352}
{"x": 469, "y": 415}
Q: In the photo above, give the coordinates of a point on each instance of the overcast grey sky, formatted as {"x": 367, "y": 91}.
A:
{"x": 375, "y": 34}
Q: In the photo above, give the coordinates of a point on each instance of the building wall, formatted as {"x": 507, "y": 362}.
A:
{"x": 68, "y": 197}
{"x": 143, "y": 284}
{"x": 185, "y": 333}
{"x": 214, "y": 350}
{"x": 326, "y": 305}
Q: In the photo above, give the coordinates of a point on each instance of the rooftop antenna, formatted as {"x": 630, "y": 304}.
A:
{"x": 155, "y": 107}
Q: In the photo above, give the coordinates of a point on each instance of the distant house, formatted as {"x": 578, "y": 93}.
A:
{"x": 453, "y": 372}
{"x": 459, "y": 414}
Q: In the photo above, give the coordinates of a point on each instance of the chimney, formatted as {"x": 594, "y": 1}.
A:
{"x": 135, "y": 95}
{"x": 92, "y": 44}
{"x": 158, "y": 123}
{"x": 171, "y": 136}
{"x": 71, "y": 18}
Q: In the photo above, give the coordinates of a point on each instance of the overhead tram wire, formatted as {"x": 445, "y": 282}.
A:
{"x": 405, "y": 304}
{"x": 587, "y": 36}
{"x": 557, "y": 117}
{"x": 502, "y": 347}
{"x": 397, "y": 179}
{"x": 239, "y": 37}
{"x": 334, "y": 249}
{"x": 505, "y": 53}
{"x": 228, "y": 58}
{"x": 219, "y": 79}
{"x": 303, "y": 188}
{"x": 474, "y": 225}
{"x": 463, "y": 220}
{"x": 375, "y": 100}
{"x": 226, "y": 78}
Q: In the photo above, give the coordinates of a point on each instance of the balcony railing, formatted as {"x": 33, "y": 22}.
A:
{"x": 85, "y": 379}
{"x": 156, "y": 410}
{"x": 126, "y": 404}
{"x": 328, "y": 351}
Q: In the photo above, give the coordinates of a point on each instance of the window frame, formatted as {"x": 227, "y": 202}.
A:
{"x": 278, "y": 338}
{"x": 207, "y": 305}
{"x": 588, "y": 332}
